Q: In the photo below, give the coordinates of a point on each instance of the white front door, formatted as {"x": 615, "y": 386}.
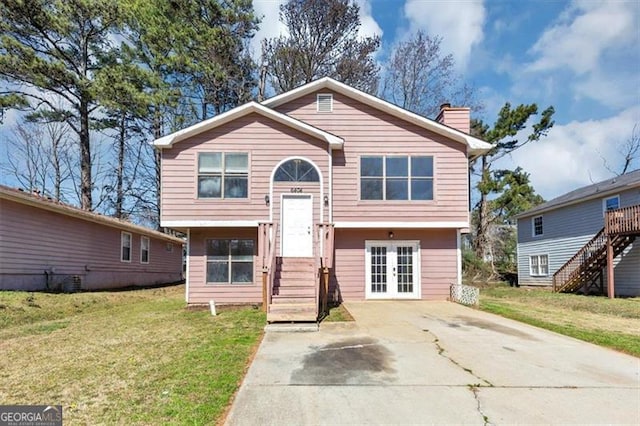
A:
{"x": 296, "y": 226}
{"x": 392, "y": 269}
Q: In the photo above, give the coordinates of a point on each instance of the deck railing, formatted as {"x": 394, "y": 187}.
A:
{"x": 623, "y": 221}
{"x": 267, "y": 233}
{"x": 324, "y": 262}
{"x": 570, "y": 270}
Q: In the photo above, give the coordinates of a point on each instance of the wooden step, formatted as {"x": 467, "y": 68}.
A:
{"x": 305, "y": 291}
{"x": 291, "y": 264}
{"x": 294, "y": 299}
{"x": 296, "y": 275}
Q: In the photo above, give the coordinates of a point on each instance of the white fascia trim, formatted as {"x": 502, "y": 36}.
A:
{"x": 475, "y": 146}
{"x": 167, "y": 141}
{"x": 400, "y": 225}
{"x": 210, "y": 223}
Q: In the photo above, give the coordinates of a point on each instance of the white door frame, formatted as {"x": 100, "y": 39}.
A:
{"x": 282, "y": 223}
{"x": 392, "y": 292}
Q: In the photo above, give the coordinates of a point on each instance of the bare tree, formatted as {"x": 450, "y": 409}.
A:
{"x": 322, "y": 42}
{"x": 420, "y": 77}
{"x": 40, "y": 158}
{"x": 629, "y": 152}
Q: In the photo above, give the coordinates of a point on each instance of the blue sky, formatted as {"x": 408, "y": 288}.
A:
{"x": 582, "y": 57}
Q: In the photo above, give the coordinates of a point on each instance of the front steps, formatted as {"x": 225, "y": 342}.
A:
{"x": 294, "y": 291}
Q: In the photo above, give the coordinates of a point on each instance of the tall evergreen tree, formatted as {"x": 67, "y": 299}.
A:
{"x": 52, "y": 50}
{"x": 510, "y": 189}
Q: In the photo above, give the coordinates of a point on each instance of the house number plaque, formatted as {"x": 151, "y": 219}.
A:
{"x": 297, "y": 190}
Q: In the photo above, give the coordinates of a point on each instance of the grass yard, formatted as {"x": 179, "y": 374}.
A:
{"x": 129, "y": 357}
{"x": 611, "y": 323}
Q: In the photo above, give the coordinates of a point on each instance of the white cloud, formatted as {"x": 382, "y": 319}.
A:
{"x": 270, "y": 26}
{"x": 574, "y": 154}
{"x": 460, "y": 23}
{"x": 583, "y": 33}
{"x": 369, "y": 27}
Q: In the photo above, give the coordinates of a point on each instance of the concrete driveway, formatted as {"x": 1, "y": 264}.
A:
{"x": 419, "y": 362}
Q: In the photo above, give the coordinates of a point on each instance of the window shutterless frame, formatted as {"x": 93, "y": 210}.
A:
{"x": 396, "y": 178}
{"x": 537, "y": 226}
{"x": 610, "y": 203}
{"x": 145, "y": 245}
{"x": 539, "y": 265}
{"x": 222, "y": 175}
{"x": 125, "y": 246}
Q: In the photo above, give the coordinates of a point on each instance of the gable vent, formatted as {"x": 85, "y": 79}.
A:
{"x": 325, "y": 102}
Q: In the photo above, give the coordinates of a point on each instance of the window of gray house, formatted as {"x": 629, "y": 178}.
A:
{"x": 537, "y": 226}
{"x": 223, "y": 175}
{"x": 230, "y": 261}
{"x": 611, "y": 203}
{"x": 396, "y": 178}
{"x": 125, "y": 247}
{"x": 539, "y": 265}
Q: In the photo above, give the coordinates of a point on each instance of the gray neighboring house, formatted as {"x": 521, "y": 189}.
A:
{"x": 566, "y": 236}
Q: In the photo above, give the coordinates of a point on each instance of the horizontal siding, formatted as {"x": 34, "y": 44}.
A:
{"x": 267, "y": 143}
{"x": 627, "y": 271}
{"x": 438, "y": 255}
{"x": 559, "y": 250}
{"x": 574, "y": 220}
{"x": 368, "y": 131}
{"x": 33, "y": 241}
{"x": 199, "y": 291}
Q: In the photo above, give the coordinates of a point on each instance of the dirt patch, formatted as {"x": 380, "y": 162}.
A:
{"x": 349, "y": 361}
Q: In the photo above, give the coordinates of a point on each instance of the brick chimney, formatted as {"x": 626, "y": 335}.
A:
{"x": 456, "y": 117}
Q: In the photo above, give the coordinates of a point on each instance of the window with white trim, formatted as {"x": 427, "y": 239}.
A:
{"x": 536, "y": 226}
{"x": 610, "y": 203}
{"x": 223, "y": 175}
{"x": 325, "y": 102}
{"x": 144, "y": 249}
{"x": 230, "y": 261}
{"x": 396, "y": 177}
{"x": 296, "y": 170}
{"x": 539, "y": 265}
{"x": 125, "y": 247}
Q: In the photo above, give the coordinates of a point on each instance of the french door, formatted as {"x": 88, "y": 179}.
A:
{"x": 392, "y": 269}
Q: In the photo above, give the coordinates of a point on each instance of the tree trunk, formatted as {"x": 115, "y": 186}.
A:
{"x": 120, "y": 170}
{"x": 85, "y": 157}
{"x": 157, "y": 155}
{"x": 481, "y": 238}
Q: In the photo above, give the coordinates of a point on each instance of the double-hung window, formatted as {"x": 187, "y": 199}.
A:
{"x": 144, "y": 249}
{"x": 125, "y": 247}
{"x": 394, "y": 177}
{"x": 537, "y": 226}
{"x": 539, "y": 265}
{"x": 229, "y": 261}
{"x": 223, "y": 175}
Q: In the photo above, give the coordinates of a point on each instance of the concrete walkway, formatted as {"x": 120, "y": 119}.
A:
{"x": 419, "y": 362}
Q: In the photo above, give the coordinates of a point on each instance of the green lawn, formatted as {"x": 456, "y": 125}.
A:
{"x": 130, "y": 357}
{"x": 611, "y": 323}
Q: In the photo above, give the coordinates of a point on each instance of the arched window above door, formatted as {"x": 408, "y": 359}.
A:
{"x": 296, "y": 170}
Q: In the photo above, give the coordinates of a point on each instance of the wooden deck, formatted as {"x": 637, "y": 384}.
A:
{"x": 624, "y": 221}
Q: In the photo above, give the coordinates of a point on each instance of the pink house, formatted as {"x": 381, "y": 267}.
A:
{"x": 46, "y": 245}
{"x": 320, "y": 192}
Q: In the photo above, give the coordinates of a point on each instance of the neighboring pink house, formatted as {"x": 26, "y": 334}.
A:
{"x": 324, "y": 181}
{"x": 46, "y": 245}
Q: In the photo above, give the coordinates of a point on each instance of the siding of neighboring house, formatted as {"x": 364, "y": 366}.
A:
{"x": 267, "y": 143}
{"x": 438, "y": 257}
{"x": 565, "y": 231}
{"x": 34, "y": 240}
{"x": 201, "y": 292}
{"x": 368, "y": 131}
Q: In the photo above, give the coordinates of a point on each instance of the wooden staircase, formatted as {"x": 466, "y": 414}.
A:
{"x": 585, "y": 269}
{"x": 294, "y": 290}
